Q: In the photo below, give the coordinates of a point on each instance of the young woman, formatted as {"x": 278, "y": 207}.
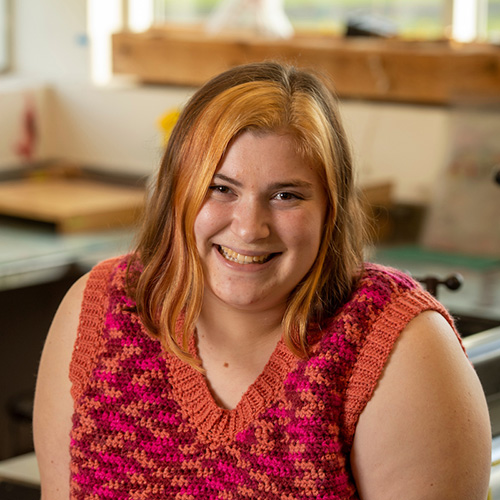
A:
{"x": 244, "y": 349}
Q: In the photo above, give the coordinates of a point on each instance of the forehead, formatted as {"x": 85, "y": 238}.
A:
{"x": 265, "y": 156}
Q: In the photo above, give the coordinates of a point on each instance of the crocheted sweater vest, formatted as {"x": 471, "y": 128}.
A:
{"x": 146, "y": 426}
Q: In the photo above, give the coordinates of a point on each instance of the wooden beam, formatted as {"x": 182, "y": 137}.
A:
{"x": 361, "y": 68}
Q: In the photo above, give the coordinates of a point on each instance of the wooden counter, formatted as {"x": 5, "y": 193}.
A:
{"x": 72, "y": 205}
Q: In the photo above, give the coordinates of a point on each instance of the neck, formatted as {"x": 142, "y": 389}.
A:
{"x": 234, "y": 346}
{"x": 238, "y": 332}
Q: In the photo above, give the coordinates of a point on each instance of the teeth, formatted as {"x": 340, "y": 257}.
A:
{"x": 242, "y": 259}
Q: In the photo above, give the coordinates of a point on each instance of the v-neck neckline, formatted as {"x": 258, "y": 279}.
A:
{"x": 198, "y": 404}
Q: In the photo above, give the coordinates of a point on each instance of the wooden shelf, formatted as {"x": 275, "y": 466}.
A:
{"x": 361, "y": 68}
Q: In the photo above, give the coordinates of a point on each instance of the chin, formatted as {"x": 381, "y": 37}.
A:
{"x": 246, "y": 301}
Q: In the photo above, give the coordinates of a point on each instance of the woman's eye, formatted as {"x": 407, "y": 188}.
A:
{"x": 286, "y": 196}
{"x": 219, "y": 189}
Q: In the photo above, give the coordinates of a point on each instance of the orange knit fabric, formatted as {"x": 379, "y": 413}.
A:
{"x": 146, "y": 425}
{"x": 90, "y": 340}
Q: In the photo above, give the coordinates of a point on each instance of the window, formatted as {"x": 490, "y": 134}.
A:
{"x": 187, "y": 11}
{"x": 422, "y": 19}
{"x": 4, "y": 35}
{"x": 493, "y": 21}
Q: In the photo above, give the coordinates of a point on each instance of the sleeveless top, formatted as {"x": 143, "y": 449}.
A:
{"x": 145, "y": 425}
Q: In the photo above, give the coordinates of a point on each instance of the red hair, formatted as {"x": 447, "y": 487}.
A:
{"x": 264, "y": 98}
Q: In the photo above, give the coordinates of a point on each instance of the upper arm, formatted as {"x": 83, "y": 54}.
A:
{"x": 53, "y": 403}
{"x": 425, "y": 433}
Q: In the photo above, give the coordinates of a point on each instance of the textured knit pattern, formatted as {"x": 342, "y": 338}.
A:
{"x": 146, "y": 426}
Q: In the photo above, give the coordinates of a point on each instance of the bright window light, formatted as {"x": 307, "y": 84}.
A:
{"x": 464, "y": 20}
{"x": 104, "y": 17}
{"x": 140, "y": 14}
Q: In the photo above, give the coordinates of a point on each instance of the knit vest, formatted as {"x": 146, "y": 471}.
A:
{"x": 145, "y": 425}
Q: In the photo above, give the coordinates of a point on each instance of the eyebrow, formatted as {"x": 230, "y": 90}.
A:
{"x": 292, "y": 183}
{"x": 225, "y": 178}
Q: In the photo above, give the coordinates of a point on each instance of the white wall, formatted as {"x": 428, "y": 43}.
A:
{"x": 116, "y": 128}
{"x": 403, "y": 143}
{"x": 49, "y": 40}
{"x": 48, "y": 50}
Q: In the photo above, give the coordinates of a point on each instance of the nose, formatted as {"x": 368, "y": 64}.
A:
{"x": 251, "y": 220}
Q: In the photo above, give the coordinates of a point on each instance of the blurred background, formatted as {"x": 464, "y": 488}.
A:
{"x": 90, "y": 88}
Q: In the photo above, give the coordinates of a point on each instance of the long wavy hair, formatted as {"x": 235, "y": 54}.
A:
{"x": 264, "y": 98}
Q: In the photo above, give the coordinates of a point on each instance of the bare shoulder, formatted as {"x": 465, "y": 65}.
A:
{"x": 53, "y": 403}
{"x": 426, "y": 432}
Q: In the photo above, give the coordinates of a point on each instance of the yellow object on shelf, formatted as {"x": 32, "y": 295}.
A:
{"x": 167, "y": 123}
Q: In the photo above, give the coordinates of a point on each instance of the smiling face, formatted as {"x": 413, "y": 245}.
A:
{"x": 259, "y": 230}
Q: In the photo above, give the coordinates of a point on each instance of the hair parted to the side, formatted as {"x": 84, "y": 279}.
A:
{"x": 260, "y": 97}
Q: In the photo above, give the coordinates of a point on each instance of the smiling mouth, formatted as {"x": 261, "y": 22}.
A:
{"x": 239, "y": 258}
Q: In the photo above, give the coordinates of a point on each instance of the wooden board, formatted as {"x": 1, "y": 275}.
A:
{"x": 391, "y": 70}
{"x": 71, "y": 204}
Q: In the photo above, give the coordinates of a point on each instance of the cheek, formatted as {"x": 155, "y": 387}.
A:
{"x": 310, "y": 245}
{"x": 304, "y": 235}
{"x": 200, "y": 227}
{"x": 317, "y": 226}
{"x": 207, "y": 222}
